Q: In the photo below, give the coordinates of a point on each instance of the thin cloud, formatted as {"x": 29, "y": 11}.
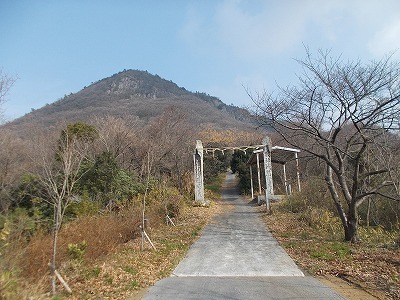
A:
{"x": 276, "y": 28}
{"x": 192, "y": 26}
{"x": 257, "y": 34}
{"x": 386, "y": 40}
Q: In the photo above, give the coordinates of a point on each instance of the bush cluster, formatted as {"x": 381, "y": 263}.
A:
{"x": 314, "y": 194}
{"x": 314, "y": 207}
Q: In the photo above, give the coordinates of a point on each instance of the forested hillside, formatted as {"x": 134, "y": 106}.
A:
{"x": 136, "y": 94}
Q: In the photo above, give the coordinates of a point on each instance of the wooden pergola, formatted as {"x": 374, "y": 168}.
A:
{"x": 279, "y": 155}
{"x": 265, "y": 154}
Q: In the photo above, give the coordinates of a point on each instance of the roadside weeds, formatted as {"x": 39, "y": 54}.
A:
{"x": 374, "y": 268}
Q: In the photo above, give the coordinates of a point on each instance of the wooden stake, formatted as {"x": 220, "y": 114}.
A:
{"x": 147, "y": 237}
{"x": 63, "y": 282}
{"x": 169, "y": 220}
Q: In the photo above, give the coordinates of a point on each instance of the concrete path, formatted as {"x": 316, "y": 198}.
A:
{"x": 237, "y": 258}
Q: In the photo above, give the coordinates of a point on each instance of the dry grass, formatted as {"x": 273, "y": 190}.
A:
{"x": 315, "y": 242}
{"x": 128, "y": 268}
{"x": 118, "y": 275}
{"x": 102, "y": 234}
{"x": 113, "y": 265}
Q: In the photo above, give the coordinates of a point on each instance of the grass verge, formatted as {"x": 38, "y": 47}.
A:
{"x": 129, "y": 269}
{"x": 315, "y": 242}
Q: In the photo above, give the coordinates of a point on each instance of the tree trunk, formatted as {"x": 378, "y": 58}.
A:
{"x": 335, "y": 197}
{"x": 53, "y": 262}
{"x": 349, "y": 220}
{"x": 57, "y": 212}
{"x": 351, "y": 230}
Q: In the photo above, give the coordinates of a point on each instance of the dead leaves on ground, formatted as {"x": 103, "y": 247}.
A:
{"x": 375, "y": 268}
{"x": 118, "y": 275}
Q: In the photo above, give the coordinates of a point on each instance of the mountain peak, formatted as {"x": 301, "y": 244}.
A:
{"x": 136, "y": 93}
{"x": 142, "y": 84}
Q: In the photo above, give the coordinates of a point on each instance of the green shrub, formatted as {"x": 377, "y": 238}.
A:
{"x": 105, "y": 180}
{"x": 323, "y": 221}
{"x": 239, "y": 165}
{"x": 377, "y": 235}
{"x": 316, "y": 217}
{"x": 214, "y": 165}
{"x": 77, "y": 251}
{"x": 16, "y": 226}
{"x": 16, "y": 229}
{"x": 169, "y": 200}
{"x": 84, "y": 207}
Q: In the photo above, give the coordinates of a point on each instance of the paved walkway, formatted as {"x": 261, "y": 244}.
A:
{"x": 236, "y": 257}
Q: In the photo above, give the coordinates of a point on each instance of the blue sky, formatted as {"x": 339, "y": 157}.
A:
{"x": 212, "y": 46}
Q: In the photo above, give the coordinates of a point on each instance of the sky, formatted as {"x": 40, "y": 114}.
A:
{"x": 219, "y": 47}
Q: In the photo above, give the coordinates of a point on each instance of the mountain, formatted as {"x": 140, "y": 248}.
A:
{"x": 135, "y": 93}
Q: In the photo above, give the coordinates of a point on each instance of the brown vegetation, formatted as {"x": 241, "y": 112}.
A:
{"x": 306, "y": 227}
{"x": 102, "y": 235}
{"x": 112, "y": 263}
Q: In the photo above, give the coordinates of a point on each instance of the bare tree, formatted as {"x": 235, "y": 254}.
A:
{"x": 170, "y": 144}
{"x": 60, "y": 171}
{"x": 12, "y": 153}
{"x": 336, "y": 114}
{"x": 5, "y": 84}
{"x": 119, "y": 135}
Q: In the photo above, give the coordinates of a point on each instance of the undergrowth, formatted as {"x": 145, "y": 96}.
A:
{"x": 100, "y": 254}
{"x": 307, "y": 227}
{"x": 215, "y": 185}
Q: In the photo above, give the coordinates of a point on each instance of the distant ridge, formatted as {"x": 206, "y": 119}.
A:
{"x": 135, "y": 93}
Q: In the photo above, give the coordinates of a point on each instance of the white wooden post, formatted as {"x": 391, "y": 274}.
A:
{"x": 198, "y": 174}
{"x": 297, "y": 171}
{"x": 285, "y": 179}
{"x": 251, "y": 183}
{"x": 269, "y": 188}
{"x": 258, "y": 173}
